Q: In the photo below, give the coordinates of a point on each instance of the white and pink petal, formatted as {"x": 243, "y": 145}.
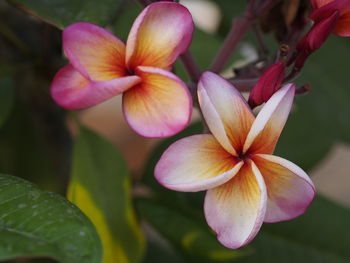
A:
{"x": 196, "y": 163}
{"x": 225, "y": 111}
{"x": 159, "y": 35}
{"x": 268, "y": 125}
{"x": 159, "y": 106}
{"x": 236, "y": 209}
{"x": 289, "y": 189}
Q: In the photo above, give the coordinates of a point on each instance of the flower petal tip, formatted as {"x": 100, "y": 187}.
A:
{"x": 73, "y": 91}
{"x": 159, "y": 35}
{"x": 236, "y": 210}
{"x": 95, "y": 52}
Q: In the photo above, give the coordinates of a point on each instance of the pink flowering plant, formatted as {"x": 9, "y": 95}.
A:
{"x": 132, "y": 133}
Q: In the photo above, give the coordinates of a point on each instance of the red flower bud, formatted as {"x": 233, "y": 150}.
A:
{"x": 315, "y": 38}
{"x": 267, "y": 84}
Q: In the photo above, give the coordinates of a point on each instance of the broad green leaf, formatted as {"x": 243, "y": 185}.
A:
{"x": 64, "y": 12}
{"x": 186, "y": 232}
{"x": 36, "y": 223}
{"x": 6, "y": 96}
{"x": 100, "y": 186}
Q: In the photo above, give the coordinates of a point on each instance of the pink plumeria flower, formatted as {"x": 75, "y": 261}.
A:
{"x": 267, "y": 85}
{"x": 246, "y": 185}
{"x": 156, "y": 103}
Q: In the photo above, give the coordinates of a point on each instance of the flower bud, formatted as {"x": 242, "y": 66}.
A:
{"x": 267, "y": 84}
{"x": 315, "y": 38}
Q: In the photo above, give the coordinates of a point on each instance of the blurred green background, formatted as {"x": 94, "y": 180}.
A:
{"x": 48, "y": 146}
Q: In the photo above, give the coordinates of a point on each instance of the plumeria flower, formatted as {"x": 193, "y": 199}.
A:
{"x": 156, "y": 103}
{"x": 246, "y": 185}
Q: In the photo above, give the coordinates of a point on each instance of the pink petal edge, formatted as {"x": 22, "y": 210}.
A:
{"x": 72, "y": 91}
{"x": 294, "y": 208}
{"x": 159, "y": 35}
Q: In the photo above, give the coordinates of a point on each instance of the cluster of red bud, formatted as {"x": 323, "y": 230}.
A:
{"x": 328, "y": 16}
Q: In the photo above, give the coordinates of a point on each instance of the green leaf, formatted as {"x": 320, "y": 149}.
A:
{"x": 36, "y": 223}
{"x": 320, "y": 235}
{"x": 186, "y": 232}
{"x": 100, "y": 186}
{"x": 6, "y": 96}
{"x": 64, "y": 12}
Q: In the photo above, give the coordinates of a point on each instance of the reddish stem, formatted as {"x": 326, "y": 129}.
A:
{"x": 191, "y": 66}
{"x": 238, "y": 30}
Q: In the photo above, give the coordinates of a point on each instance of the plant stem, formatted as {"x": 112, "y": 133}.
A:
{"x": 262, "y": 48}
{"x": 238, "y": 30}
{"x": 240, "y": 27}
{"x": 243, "y": 85}
{"x": 191, "y": 66}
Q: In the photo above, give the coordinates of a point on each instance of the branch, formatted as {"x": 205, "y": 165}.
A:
{"x": 190, "y": 66}
{"x": 239, "y": 28}
{"x": 243, "y": 85}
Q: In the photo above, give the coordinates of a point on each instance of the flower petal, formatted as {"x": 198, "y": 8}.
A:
{"x": 196, "y": 163}
{"x": 289, "y": 189}
{"x": 320, "y": 3}
{"x": 236, "y": 210}
{"x": 268, "y": 125}
{"x": 71, "y": 90}
{"x": 225, "y": 111}
{"x": 94, "y": 52}
{"x": 159, "y": 35}
{"x": 160, "y": 106}
{"x": 323, "y": 9}
{"x": 343, "y": 26}
{"x": 330, "y": 5}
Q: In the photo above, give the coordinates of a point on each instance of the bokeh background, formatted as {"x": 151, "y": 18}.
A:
{"x": 37, "y": 136}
